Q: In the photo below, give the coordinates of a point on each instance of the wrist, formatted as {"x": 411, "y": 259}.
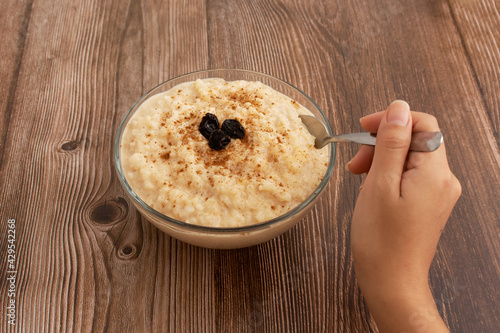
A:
{"x": 409, "y": 309}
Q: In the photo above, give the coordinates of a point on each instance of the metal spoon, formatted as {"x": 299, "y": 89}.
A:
{"x": 420, "y": 141}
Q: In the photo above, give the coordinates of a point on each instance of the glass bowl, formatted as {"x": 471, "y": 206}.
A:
{"x": 234, "y": 237}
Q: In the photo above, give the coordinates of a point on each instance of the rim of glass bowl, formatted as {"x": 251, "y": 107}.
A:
{"x": 319, "y": 189}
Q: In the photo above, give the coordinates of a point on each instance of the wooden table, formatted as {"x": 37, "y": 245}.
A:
{"x": 85, "y": 260}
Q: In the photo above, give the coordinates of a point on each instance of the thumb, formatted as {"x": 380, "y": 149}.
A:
{"x": 391, "y": 148}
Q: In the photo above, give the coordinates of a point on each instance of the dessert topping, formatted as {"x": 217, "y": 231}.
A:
{"x": 209, "y": 123}
{"x": 233, "y": 128}
{"x": 218, "y": 140}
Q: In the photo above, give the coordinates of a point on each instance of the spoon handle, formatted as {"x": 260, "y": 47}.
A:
{"x": 420, "y": 141}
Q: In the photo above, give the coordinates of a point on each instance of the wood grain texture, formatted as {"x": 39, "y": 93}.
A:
{"x": 14, "y": 19}
{"x": 86, "y": 259}
{"x": 478, "y": 24}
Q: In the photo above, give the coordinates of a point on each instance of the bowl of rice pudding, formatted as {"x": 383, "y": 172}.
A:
{"x": 220, "y": 158}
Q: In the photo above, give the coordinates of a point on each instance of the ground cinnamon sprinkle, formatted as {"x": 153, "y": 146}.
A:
{"x": 165, "y": 155}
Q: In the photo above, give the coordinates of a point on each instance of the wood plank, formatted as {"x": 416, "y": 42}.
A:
{"x": 478, "y": 23}
{"x": 276, "y": 38}
{"x": 14, "y": 21}
{"x": 86, "y": 259}
{"x": 175, "y": 42}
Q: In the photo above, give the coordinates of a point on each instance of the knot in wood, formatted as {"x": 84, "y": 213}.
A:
{"x": 70, "y": 145}
{"x": 128, "y": 251}
{"x": 109, "y": 211}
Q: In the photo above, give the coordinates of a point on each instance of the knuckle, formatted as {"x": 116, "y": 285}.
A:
{"x": 395, "y": 142}
{"x": 431, "y": 122}
{"x": 415, "y": 159}
{"x": 452, "y": 186}
{"x": 457, "y": 187}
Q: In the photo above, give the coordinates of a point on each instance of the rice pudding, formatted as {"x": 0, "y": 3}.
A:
{"x": 170, "y": 166}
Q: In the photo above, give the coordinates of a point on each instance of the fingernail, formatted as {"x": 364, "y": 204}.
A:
{"x": 347, "y": 166}
{"x": 398, "y": 113}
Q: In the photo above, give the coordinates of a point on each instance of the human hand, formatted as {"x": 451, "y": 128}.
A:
{"x": 405, "y": 201}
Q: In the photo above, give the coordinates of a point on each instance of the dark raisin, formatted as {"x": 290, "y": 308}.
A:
{"x": 233, "y": 128}
{"x": 209, "y": 123}
{"x": 218, "y": 140}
